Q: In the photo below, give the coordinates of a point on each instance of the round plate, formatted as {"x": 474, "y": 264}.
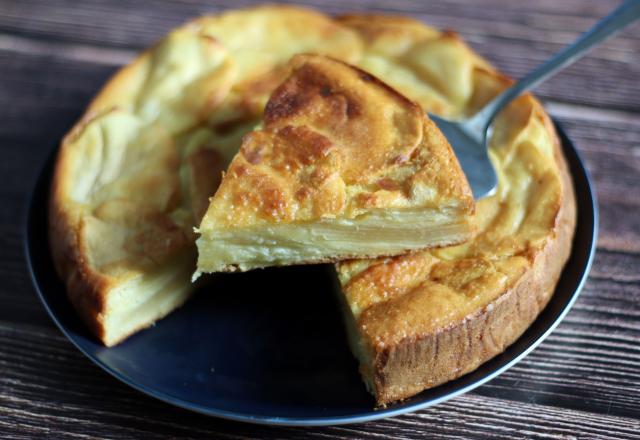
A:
{"x": 269, "y": 346}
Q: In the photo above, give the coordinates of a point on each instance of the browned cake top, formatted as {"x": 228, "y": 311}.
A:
{"x": 336, "y": 141}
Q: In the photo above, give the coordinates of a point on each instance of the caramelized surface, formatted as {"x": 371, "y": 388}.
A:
{"x": 336, "y": 143}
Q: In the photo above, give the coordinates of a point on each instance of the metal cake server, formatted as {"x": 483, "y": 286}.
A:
{"x": 469, "y": 137}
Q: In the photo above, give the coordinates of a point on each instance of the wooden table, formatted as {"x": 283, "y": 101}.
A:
{"x": 584, "y": 381}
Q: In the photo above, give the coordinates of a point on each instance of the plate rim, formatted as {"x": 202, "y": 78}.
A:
{"x": 568, "y": 148}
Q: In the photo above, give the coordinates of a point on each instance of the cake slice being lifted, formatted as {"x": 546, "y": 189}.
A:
{"x": 343, "y": 166}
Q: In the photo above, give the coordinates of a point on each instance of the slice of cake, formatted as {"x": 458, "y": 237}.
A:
{"x": 343, "y": 166}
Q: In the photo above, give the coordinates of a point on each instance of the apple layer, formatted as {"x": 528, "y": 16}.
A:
{"x": 383, "y": 232}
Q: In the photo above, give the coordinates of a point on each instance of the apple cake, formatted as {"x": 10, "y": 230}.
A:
{"x": 134, "y": 176}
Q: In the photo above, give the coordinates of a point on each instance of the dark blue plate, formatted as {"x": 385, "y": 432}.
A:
{"x": 268, "y": 346}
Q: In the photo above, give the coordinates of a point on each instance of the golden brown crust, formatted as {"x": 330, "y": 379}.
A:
{"x": 86, "y": 289}
{"x": 337, "y": 142}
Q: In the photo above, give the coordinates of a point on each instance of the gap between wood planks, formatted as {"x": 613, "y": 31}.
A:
{"x": 69, "y": 51}
{"x": 585, "y": 112}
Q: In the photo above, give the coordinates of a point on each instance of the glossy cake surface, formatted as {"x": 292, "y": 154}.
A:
{"x": 341, "y": 167}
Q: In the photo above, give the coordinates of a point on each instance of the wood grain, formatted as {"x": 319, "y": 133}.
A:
{"x": 543, "y": 31}
{"x": 69, "y": 409}
{"x": 582, "y": 382}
